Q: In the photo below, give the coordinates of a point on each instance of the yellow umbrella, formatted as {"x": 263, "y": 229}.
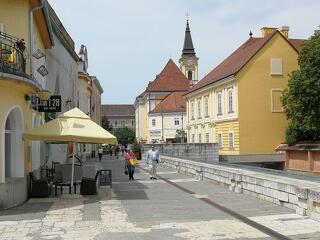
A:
{"x": 72, "y": 126}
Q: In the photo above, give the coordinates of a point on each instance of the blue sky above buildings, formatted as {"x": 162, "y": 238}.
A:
{"x": 130, "y": 41}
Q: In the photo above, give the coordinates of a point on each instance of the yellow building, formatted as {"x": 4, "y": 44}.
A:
{"x": 19, "y": 20}
{"x": 237, "y": 104}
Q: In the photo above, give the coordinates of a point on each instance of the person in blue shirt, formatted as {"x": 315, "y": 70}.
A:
{"x": 153, "y": 158}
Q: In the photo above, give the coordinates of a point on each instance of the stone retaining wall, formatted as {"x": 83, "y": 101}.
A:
{"x": 201, "y": 152}
{"x": 300, "y": 195}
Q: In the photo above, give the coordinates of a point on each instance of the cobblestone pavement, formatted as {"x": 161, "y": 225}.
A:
{"x": 151, "y": 209}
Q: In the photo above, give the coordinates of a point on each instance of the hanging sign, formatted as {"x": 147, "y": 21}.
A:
{"x": 53, "y": 104}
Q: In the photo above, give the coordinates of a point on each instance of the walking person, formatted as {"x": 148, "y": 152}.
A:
{"x": 100, "y": 151}
{"x": 122, "y": 150}
{"x": 129, "y": 158}
{"x": 153, "y": 158}
{"x": 116, "y": 151}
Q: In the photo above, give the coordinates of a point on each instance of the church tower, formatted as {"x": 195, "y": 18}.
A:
{"x": 189, "y": 61}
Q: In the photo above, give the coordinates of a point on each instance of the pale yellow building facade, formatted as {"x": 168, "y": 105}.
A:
{"x": 237, "y": 105}
{"x": 19, "y": 83}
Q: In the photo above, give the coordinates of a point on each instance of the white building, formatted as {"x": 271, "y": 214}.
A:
{"x": 63, "y": 73}
{"x": 171, "y": 79}
{"x": 167, "y": 118}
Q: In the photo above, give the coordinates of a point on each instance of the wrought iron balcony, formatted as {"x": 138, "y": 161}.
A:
{"x": 12, "y": 55}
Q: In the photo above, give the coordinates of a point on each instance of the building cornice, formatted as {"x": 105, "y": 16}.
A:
{"x": 211, "y": 86}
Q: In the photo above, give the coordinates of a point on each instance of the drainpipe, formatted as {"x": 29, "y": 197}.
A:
{"x": 31, "y": 45}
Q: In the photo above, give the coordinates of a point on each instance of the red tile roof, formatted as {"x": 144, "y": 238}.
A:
{"x": 240, "y": 57}
{"x": 110, "y": 110}
{"x": 297, "y": 43}
{"x": 170, "y": 79}
{"x": 174, "y": 102}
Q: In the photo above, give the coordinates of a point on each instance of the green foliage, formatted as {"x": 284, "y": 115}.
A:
{"x": 136, "y": 147}
{"x": 125, "y": 135}
{"x": 181, "y": 136}
{"x": 301, "y": 100}
{"x": 292, "y": 134}
{"x": 106, "y": 124}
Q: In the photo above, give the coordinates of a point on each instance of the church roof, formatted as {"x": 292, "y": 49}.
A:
{"x": 169, "y": 80}
{"x": 239, "y": 58}
{"x": 174, "y": 102}
{"x": 188, "y": 48}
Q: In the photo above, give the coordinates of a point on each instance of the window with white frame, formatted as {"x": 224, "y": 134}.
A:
{"x": 122, "y": 123}
{"x": 176, "y": 121}
{"x": 192, "y": 138}
{"x": 276, "y": 104}
{"x": 220, "y": 140}
{"x": 276, "y": 66}
{"x": 206, "y": 106}
{"x": 230, "y": 100}
{"x": 153, "y": 122}
{"x": 199, "y": 136}
{"x": 192, "y": 109}
{"x": 207, "y": 138}
{"x": 231, "y": 140}
{"x": 219, "y": 102}
{"x": 199, "y": 107}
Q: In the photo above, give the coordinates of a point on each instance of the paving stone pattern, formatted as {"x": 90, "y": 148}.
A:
{"x": 150, "y": 209}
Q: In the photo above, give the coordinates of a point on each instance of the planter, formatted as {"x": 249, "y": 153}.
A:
{"x": 304, "y": 157}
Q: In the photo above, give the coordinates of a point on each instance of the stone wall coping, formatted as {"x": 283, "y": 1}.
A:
{"x": 251, "y": 173}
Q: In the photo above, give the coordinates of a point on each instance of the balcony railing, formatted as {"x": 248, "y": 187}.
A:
{"x": 12, "y": 55}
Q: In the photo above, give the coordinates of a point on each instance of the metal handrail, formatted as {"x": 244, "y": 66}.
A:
{"x": 12, "y": 54}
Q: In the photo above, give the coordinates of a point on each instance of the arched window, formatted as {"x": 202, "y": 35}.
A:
{"x": 190, "y": 75}
{"x": 13, "y": 152}
{"x": 199, "y": 107}
{"x": 206, "y": 106}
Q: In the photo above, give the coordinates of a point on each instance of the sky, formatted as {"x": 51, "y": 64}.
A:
{"x": 130, "y": 41}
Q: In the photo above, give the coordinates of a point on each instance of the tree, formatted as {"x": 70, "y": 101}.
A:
{"x": 301, "y": 100}
{"x": 125, "y": 135}
{"x": 181, "y": 136}
{"x": 106, "y": 124}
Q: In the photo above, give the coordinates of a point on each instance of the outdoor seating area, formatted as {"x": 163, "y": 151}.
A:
{"x": 85, "y": 177}
{"x": 72, "y": 127}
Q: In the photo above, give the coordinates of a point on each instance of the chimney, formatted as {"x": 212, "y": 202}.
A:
{"x": 267, "y": 30}
{"x": 285, "y": 31}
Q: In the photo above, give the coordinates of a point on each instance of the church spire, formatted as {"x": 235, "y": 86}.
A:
{"x": 188, "y": 49}
{"x": 189, "y": 61}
